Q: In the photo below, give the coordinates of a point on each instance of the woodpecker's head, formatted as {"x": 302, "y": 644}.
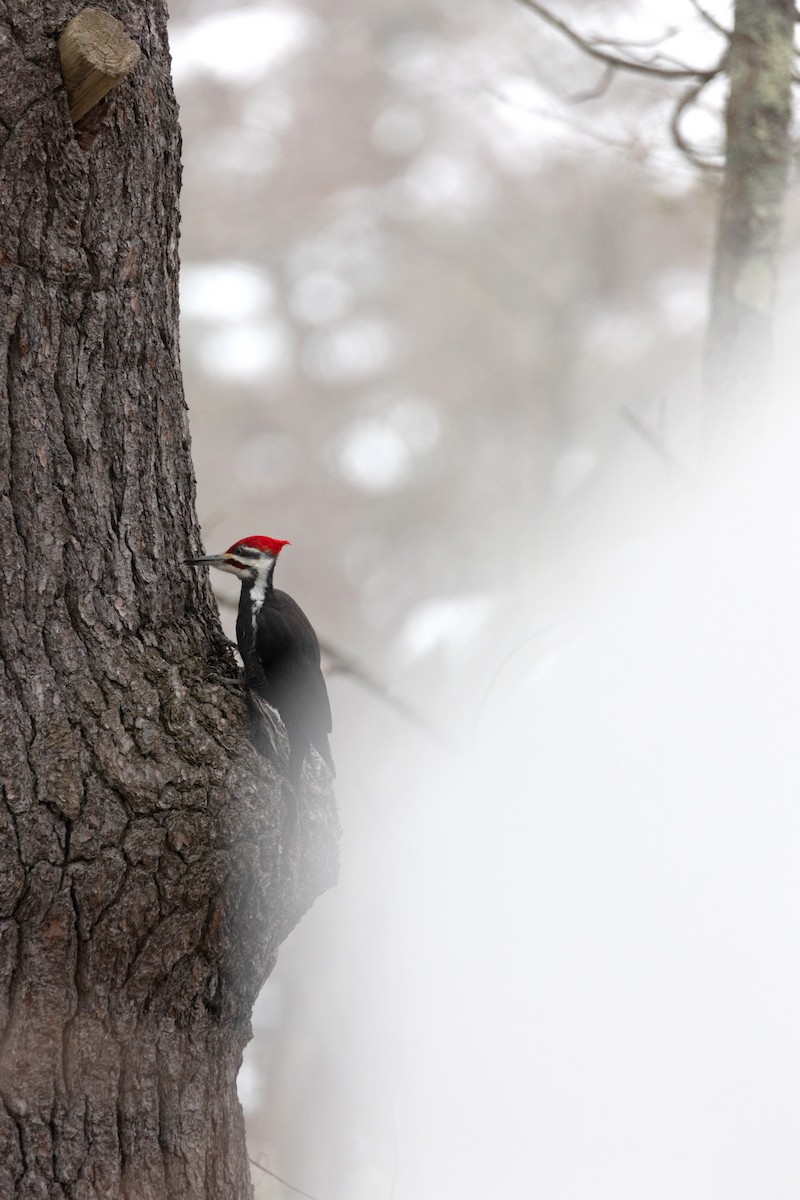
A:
{"x": 251, "y": 558}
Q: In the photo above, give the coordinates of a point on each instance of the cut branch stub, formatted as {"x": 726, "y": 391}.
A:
{"x": 96, "y": 53}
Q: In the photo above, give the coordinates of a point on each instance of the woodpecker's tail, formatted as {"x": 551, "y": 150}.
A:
{"x": 323, "y": 749}
{"x": 298, "y": 749}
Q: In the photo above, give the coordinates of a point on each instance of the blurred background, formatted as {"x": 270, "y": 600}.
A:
{"x": 443, "y": 304}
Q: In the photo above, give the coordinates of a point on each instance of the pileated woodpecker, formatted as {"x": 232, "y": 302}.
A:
{"x": 279, "y": 648}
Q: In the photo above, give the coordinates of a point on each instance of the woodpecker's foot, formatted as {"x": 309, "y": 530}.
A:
{"x": 223, "y": 640}
{"x": 234, "y": 686}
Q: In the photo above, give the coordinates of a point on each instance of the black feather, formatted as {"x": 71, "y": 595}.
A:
{"x": 281, "y": 660}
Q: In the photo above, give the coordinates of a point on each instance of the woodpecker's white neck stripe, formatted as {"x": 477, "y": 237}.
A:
{"x": 259, "y": 586}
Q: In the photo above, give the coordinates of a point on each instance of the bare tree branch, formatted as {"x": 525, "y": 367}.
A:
{"x": 685, "y": 101}
{"x": 709, "y": 19}
{"x": 585, "y": 130}
{"x": 675, "y": 468}
{"x": 599, "y": 89}
{"x": 591, "y": 47}
{"x": 512, "y": 653}
{"x": 286, "y": 1184}
{"x": 636, "y": 43}
{"x": 343, "y": 665}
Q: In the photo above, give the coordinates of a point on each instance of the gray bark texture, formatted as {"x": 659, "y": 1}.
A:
{"x": 758, "y": 152}
{"x": 151, "y": 859}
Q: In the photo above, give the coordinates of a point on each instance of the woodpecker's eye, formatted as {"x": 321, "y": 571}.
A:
{"x": 246, "y": 552}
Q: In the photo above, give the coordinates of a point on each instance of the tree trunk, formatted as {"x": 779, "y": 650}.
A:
{"x": 744, "y": 281}
{"x": 151, "y": 860}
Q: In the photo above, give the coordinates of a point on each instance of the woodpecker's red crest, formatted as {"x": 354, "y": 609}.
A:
{"x": 264, "y": 545}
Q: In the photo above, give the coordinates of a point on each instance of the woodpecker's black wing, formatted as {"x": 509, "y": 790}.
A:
{"x": 290, "y": 678}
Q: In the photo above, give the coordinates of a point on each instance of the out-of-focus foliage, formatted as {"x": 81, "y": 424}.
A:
{"x": 418, "y": 287}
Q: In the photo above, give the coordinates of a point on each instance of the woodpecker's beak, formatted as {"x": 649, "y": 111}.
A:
{"x": 210, "y": 560}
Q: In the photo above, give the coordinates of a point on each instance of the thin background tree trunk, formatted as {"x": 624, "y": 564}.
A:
{"x": 758, "y": 151}
{"x": 151, "y": 861}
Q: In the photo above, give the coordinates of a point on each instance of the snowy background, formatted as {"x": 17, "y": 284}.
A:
{"x": 442, "y": 321}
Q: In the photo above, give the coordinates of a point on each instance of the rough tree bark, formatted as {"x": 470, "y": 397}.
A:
{"x": 757, "y": 155}
{"x": 151, "y": 861}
